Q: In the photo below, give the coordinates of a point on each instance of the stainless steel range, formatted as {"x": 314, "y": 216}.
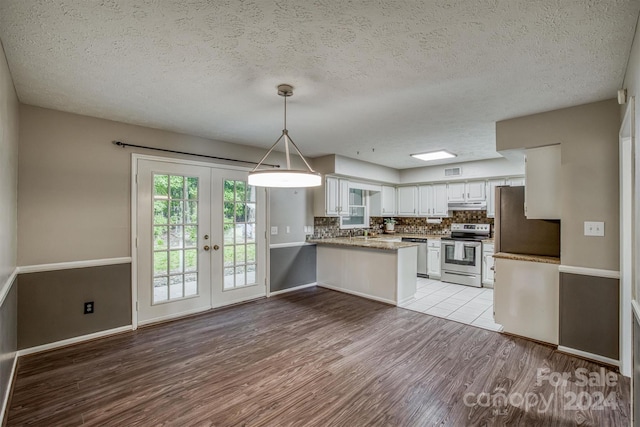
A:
{"x": 461, "y": 260}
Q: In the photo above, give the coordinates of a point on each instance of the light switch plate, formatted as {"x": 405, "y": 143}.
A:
{"x": 594, "y": 228}
{"x": 274, "y": 230}
{"x": 288, "y": 229}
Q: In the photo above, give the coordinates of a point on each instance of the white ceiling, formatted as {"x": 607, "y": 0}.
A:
{"x": 397, "y": 76}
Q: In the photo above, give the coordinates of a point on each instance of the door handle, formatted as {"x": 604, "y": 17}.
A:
{"x": 216, "y": 247}
{"x": 206, "y": 247}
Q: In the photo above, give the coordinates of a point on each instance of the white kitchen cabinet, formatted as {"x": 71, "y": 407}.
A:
{"x": 487, "y": 265}
{"x": 407, "y": 201}
{"x": 383, "y": 203}
{"x": 516, "y": 182}
{"x": 475, "y": 191}
{"x": 526, "y": 301}
{"x": 440, "y": 202}
{"x": 491, "y": 195}
{"x": 433, "y": 200}
{"x": 542, "y": 196}
{"x": 433, "y": 258}
{"x": 388, "y": 200}
{"x": 461, "y": 192}
{"x": 456, "y": 192}
{"x": 425, "y": 194}
{"x": 336, "y": 196}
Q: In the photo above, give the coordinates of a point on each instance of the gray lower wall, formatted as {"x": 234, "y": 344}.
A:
{"x": 51, "y": 304}
{"x": 8, "y": 338}
{"x": 292, "y": 266}
{"x": 589, "y": 314}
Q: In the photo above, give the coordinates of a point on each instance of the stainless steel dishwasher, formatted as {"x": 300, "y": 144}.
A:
{"x": 422, "y": 254}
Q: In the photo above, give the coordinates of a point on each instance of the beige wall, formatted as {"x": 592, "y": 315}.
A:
{"x": 8, "y": 171}
{"x": 74, "y": 184}
{"x": 588, "y": 135}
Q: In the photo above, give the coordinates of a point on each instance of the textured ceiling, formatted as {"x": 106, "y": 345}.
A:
{"x": 375, "y": 79}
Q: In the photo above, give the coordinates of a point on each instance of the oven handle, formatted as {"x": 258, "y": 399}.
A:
{"x": 466, "y": 245}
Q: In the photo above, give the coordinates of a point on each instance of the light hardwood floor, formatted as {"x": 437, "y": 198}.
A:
{"x": 309, "y": 358}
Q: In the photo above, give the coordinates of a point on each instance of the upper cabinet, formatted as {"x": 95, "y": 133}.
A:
{"x": 334, "y": 200}
{"x": 542, "y": 198}
{"x": 473, "y": 191}
{"x": 515, "y": 182}
{"x": 456, "y": 192}
{"x": 433, "y": 200}
{"x": 383, "y": 203}
{"x": 408, "y": 200}
{"x": 491, "y": 195}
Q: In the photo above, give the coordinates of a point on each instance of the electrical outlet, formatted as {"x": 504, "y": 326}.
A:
{"x": 594, "y": 228}
{"x": 89, "y": 307}
{"x": 274, "y": 230}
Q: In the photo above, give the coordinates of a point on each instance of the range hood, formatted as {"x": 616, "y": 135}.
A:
{"x": 468, "y": 206}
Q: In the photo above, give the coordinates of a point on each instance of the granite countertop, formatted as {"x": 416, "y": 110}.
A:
{"x": 530, "y": 258}
{"x": 361, "y": 242}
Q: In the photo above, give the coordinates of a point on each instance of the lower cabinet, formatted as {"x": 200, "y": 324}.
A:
{"x": 433, "y": 258}
{"x": 525, "y": 299}
{"x": 487, "y": 265}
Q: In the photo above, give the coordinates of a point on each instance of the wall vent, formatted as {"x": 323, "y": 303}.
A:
{"x": 453, "y": 172}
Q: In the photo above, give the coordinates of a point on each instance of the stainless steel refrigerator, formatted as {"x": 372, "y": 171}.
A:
{"x": 516, "y": 234}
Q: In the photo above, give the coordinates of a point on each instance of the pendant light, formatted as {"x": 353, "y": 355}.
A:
{"x": 286, "y": 178}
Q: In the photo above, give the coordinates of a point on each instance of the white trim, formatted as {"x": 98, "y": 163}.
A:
{"x": 295, "y": 288}
{"x": 358, "y": 294}
{"x": 5, "y": 401}
{"x": 134, "y": 235}
{"x": 587, "y": 355}
{"x": 636, "y": 310}
{"x": 584, "y": 271}
{"x": 74, "y": 340}
{"x": 174, "y": 316}
{"x": 267, "y": 242}
{"x": 72, "y": 264}
{"x": 7, "y": 287}
{"x": 290, "y": 245}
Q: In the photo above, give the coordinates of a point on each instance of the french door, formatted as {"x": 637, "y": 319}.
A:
{"x": 199, "y": 239}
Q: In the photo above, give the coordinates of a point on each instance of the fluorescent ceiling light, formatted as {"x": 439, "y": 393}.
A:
{"x": 434, "y": 155}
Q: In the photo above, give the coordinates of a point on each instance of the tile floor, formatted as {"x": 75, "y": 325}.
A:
{"x": 464, "y": 304}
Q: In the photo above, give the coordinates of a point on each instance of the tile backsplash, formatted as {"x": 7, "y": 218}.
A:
{"x": 328, "y": 227}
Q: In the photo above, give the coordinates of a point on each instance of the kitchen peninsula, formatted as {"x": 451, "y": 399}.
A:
{"x": 377, "y": 268}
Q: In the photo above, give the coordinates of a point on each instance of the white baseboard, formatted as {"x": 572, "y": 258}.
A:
{"x": 74, "y": 340}
{"x": 589, "y": 356}
{"x": 12, "y": 375}
{"x": 358, "y": 294}
{"x": 295, "y": 288}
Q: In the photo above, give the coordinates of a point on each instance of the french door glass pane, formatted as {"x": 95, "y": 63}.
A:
{"x": 239, "y": 234}
{"x": 175, "y": 237}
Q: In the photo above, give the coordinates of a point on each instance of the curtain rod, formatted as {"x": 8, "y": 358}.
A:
{"x": 123, "y": 145}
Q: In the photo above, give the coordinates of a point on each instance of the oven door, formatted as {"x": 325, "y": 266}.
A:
{"x": 470, "y": 263}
